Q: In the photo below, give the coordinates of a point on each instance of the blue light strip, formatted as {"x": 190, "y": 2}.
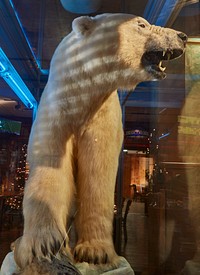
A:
{"x": 166, "y": 12}
{"x": 2, "y": 67}
{"x": 164, "y": 135}
{"x": 158, "y": 12}
{"x": 152, "y": 10}
{"x": 10, "y": 75}
{"x": 43, "y": 71}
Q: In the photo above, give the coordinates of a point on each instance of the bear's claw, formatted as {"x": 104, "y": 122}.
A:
{"x": 92, "y": 254}
{"x": 33, "y": 252}
{"x": 55, "y": 246}
{"x": 36, "y": 246}
{"x": 61, "y": 266}
{"x": 44, "y": 250}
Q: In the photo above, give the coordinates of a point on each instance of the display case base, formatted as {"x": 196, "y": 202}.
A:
{"x": 9, "y": 267}
{"x": 191, "y": 268}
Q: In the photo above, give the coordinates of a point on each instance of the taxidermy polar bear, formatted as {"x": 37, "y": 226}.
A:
{"x": 77, "y": 135}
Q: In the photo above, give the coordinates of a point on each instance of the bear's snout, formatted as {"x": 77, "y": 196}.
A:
{"x": 183, "y": 37}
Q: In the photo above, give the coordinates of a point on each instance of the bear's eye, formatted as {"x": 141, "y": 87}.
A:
{"x": 142, "y": 25}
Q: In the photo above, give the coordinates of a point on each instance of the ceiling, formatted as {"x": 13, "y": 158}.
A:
{"x": 31, "y": 30}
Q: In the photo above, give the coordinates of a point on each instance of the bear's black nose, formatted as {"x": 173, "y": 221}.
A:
{"x": 183, "y": 36}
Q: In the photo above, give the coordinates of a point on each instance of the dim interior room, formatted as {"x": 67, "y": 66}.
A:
{"x": 155, "y": 226}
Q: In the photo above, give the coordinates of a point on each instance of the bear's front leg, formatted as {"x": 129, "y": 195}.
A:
{"x": 98, "y": 154}
{"x": 47, "y": 198}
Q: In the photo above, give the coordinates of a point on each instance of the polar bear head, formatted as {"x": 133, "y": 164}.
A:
{"x": 120, "y": 50}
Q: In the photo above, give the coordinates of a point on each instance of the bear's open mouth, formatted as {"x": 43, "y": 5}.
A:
{"x": 152, "y": 60}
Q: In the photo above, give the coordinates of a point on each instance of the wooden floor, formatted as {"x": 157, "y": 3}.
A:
{"x": 140, "y": 251}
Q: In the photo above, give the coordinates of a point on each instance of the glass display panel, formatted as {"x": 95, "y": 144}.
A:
{"x": 158, "y": 193}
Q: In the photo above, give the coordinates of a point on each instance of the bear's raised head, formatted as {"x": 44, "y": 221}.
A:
{"x": 102, "y": 54}
{"x": 120, "y": 50}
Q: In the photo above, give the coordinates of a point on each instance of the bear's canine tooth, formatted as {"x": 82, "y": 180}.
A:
{"x": 169, "y": 55}
{"x": 160, "y": 66}
{"x": 164, "y": 53}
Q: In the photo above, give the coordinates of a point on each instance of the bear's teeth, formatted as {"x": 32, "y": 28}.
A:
{"x": 168, "y": 56}
{"x": 160, "y": 67}
{"x": 164, "y": 53}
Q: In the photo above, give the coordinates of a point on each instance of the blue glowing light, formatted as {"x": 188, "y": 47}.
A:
{"x": 164, "y": 135}
{"x": 166, "y": 12}
{"x": 43, "y": 71}
{"x": 2, "y": 67}
{"x": 158, "y": 12}
{"x": 81, "y": 6}
{"x": 10, "y": 75}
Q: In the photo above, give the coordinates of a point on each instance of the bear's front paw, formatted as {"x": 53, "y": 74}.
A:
{"x": 95, "y": 252}
{"x": 36, "y": 246}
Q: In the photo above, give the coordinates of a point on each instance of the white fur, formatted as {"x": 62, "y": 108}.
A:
{"x": 77, "y": 135}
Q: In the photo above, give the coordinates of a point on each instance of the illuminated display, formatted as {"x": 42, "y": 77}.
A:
{"x": 10, "y": 126}
{"x": 10, "y": 75}
{"x": 43, "y": 71}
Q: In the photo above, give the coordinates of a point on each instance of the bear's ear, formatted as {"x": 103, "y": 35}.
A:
{"x": 82, "y": 25}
